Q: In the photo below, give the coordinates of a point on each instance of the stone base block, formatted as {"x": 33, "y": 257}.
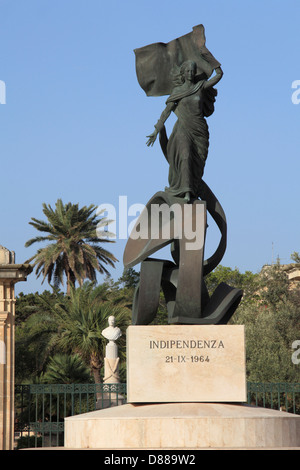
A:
{"x": 183, "y": 426}
{"x": 186, "y": 363}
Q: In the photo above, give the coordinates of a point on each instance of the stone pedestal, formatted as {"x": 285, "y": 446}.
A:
{"x": 186, "y": 386}
{"x": 111, "y": 376}
{"x": 10, "y": 273}
{"x": 183, "y": 426}
{"x": 186, "y": 363}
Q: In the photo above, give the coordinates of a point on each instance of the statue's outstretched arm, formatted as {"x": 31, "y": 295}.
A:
{"x": 215, "y": 79}
{"x": 160, "y": 123}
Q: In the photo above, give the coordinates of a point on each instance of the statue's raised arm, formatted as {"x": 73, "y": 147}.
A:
{"x": 214, "y": 80}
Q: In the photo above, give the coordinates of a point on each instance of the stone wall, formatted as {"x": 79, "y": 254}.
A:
{"x": 10, "y": 274}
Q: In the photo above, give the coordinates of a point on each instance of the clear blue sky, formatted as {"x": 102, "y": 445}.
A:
{"x": 75, "y": 121}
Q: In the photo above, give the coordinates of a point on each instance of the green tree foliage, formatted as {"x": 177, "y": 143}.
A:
{"x": 295, "y": 256}
{"x": 129, "y": 278}
{"x": 54, "y": 323}
{"x": 74, "y": 249}
{"x": 66, "y": 369}
{"x": 233, "y": 277}
{"x": 33, "y": 347}
{"x": 83, "y": 319}
{"x": 272, "y": 324}
{"x": 72, "y": 325}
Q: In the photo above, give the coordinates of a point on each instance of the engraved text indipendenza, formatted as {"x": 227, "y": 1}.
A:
{"x": 186, "y": 344}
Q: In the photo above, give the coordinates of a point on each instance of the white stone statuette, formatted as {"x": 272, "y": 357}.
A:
{"x": 112, "y": 332}
{"x": 111, "y": 360}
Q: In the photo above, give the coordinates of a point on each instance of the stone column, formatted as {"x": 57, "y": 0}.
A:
{"x": 111, "y": 360}
{"x": 10, "y": 274}
{"x": 111, "y": 364}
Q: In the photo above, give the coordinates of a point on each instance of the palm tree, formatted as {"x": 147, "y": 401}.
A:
{"x": 74, "y": 326}
{"x": 66, "y": 369}
{"x": 74, "y": 250}
{"x": 84, "y": 320}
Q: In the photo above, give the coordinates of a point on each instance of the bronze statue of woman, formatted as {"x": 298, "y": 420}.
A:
{"x": 187, "y": 148}
{"x": 191, "y": 97}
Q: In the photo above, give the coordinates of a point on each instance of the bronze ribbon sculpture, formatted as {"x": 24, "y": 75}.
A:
{"x": 181, "y": 69}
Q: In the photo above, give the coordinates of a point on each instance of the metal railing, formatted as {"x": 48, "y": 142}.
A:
{"x": 40, "y": 409}
{"x": 280, "y": 396}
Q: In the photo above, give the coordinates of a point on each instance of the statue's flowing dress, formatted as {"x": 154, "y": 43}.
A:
{"x": 187, "y": 147}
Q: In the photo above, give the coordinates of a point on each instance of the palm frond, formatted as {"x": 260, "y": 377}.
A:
{"x": 75, "y": 249}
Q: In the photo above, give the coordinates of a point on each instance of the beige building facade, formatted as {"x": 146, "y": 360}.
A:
{"x": 10, "y": 274}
